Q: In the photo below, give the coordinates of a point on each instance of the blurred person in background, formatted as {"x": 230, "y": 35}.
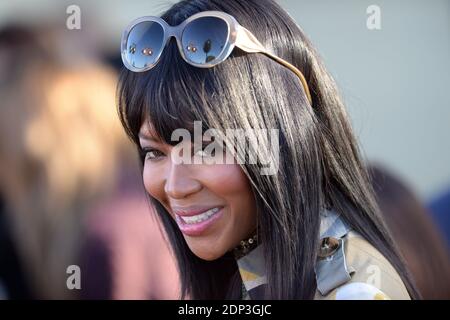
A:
{"x": 63, "y": 160}
{"x": 414, "y": 232}
{"x": 440, "y": 210}
{"x": 125, "y": 256}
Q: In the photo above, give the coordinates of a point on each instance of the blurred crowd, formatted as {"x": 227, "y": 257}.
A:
{"x": 70, "y": 191}
{"x": 69, "y": 179}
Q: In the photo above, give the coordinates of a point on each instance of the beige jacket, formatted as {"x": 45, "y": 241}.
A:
{"x": 348, "y": 267}
{"x": 371, "y": 276}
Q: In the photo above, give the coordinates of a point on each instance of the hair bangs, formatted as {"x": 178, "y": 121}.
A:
{"x": 174, "y": 97}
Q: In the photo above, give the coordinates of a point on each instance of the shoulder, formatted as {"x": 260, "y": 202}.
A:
{"x": 357, "y": 270}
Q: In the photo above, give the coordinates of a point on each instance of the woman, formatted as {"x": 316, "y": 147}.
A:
{"x": 308, "y": 229}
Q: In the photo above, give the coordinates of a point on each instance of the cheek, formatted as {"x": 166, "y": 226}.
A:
{"x": 154, "y": 182}
{"x": 225, "y": 180}
{"x": 231, "y": 184}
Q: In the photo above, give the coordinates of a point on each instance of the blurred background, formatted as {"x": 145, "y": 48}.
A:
{"x": 73, "y": 197}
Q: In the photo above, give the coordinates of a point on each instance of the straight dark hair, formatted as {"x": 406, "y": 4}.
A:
{"x": 320, "y": 165}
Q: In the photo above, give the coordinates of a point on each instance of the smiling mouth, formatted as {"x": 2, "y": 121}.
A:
{"x": 196, "y": 225}
{"x": 199, "y": 217}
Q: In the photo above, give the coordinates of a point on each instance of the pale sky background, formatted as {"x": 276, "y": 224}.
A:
{"x": 395, "y": 81}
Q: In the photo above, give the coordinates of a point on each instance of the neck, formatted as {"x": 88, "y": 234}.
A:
{"x": 245, "y": 246}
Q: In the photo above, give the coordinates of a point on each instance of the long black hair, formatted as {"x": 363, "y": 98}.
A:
{"x": 319, "y": 166}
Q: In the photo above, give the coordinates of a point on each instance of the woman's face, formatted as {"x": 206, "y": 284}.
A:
{"x": 212, "y": 204}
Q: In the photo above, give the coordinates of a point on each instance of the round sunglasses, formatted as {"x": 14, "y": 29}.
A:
{"x": 204, "y": 40}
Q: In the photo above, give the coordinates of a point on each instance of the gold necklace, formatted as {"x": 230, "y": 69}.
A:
{"x": 245, "y": 246}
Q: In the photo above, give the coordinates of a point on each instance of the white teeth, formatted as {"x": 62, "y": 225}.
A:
{"x": 200, "y": 217}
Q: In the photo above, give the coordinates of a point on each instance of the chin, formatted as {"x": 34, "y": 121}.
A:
{"x": 207, "y": 255}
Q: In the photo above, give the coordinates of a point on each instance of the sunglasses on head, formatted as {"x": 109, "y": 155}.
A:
{"x": 205, "y": 39}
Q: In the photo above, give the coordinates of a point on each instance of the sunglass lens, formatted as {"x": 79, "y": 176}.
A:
{"x": 144, "y": 44}
{"x": 204, "y": 39}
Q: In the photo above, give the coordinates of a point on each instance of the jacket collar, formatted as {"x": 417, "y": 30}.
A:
{"x": 252, "y": 265}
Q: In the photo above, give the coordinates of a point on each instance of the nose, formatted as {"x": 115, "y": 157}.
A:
{"x": 179, "y": 182}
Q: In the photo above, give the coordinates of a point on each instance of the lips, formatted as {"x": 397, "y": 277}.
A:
{"x": 194, "y": 222}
